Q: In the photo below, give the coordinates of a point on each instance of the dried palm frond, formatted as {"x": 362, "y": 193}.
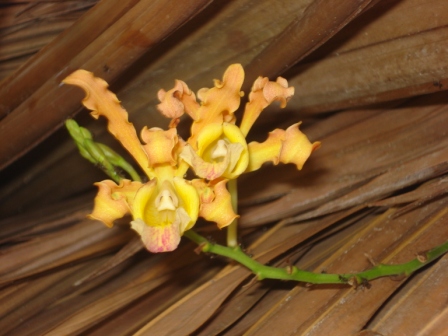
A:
{"x": 374, "y": 193}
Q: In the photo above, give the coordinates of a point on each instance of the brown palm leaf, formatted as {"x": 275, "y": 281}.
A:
{"x": 370, "y": 79}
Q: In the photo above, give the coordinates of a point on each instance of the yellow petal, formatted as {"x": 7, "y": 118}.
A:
{"x": 182, "y": 166}
{"x": 157, "y": 238}
{"x": 209, "y": 134}
{"x": 188, "y": 200}
{"x": 143, "y": 206}
{"x": 184, "y": 220}
{"x": 202, "y": 168}
{"x": 290, "y": 146}
{"x": 239, "y": 156}
{"x": 296, "y": 147}
{"x": 178, "y": 100}
{"x": 269, "y": 150}
{"x": 103, "y": 102}
{"x": 161, "y": 224}
{"x": 218, "y": 103}
{"x": 263, "y": 93}
{"x": 216, "y": 203}
{"x": 160, "y": 145}
{"x": 114, "y": 201}
{"x": 233, "y": 163}
{"x": 201, "y": 161}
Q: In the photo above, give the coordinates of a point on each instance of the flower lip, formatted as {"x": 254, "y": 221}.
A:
{"x": 166, "y": 201}
{"x": 158, "y": 238}
{"x": 163, "y": 212}
{"x": 222, "y": 152}
{"x": 220, "y": 149}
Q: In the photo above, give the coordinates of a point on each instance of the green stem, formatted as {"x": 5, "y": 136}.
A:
{"x": 295, "y": 274}
{"x": 232, "y": 229}
{"x": 98, "y": 153}
{"x": 117, "y": 161}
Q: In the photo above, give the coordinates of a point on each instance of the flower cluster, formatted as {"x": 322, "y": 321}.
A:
{"x": 167, "y": 205}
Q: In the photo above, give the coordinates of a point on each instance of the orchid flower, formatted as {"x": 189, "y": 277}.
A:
{"x": 167, "y": 205}
{"x": 217, "y": 147}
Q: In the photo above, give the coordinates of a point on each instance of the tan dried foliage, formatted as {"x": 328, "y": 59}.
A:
{"x": 374, "y": 193}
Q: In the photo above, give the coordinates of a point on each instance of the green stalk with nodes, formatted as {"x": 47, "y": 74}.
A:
{"x": 99, "y": 154}
{"x": 295, "y": 274}
{"x": 108, "y": 160}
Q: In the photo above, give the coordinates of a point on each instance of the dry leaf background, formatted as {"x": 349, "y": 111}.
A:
{"x": 370, "y": 79}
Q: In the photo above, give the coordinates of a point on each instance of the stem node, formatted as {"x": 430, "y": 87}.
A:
{"x": 202, "y": 247}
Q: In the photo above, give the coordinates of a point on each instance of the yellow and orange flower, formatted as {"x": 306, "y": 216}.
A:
{"x": 166, "y": 206}
{"x": 217, "y": 148}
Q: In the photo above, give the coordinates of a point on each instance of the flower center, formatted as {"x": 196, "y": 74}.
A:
{"x": 220, "y": 151}
{"x": 166, "y": 200}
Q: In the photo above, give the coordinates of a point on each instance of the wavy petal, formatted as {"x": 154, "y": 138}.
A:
{"x": 216, "y": 203}
{"x": 175, "y": 102}
{"x": 160, "y": 145}
{"x": 263, "y": 93}
{"x": 290, "y": 146}
{"x": 157, "y": 239}
{"x": 202, "y": 168}
{"x": 296, "y": 147}
{"x": 103, "y": 102}
{"x": 278, "y": 91}
{"x": 269, "y": 150}
{"x": 218, "y": 103}
{"x": 114, "y": 201}
{"x": 231, "y": 164}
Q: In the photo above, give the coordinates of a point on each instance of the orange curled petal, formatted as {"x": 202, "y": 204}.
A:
{"x": 175, "y": 102}
{"x": 188, "y": 98}
{"x": 220, "y": 102}
{"x": 113, "y": 201}
{"x": 160, "y": 145}
{"x": 262, "y": 94}
{"x": 103, "y": 102}
{"x": 279, "y": 91}
{"x": 259, "y": 84}
{"x": 296, "y": 148}
{"x": 255, "y": 105}
{"x": 216, "y": 203}
{"x": 202, "y": 93}
{"x": 290, "y": 146}
{"x": 206, "y": 194}
{"x": 170, "y": 106}
{"x": 269, "y": 150}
